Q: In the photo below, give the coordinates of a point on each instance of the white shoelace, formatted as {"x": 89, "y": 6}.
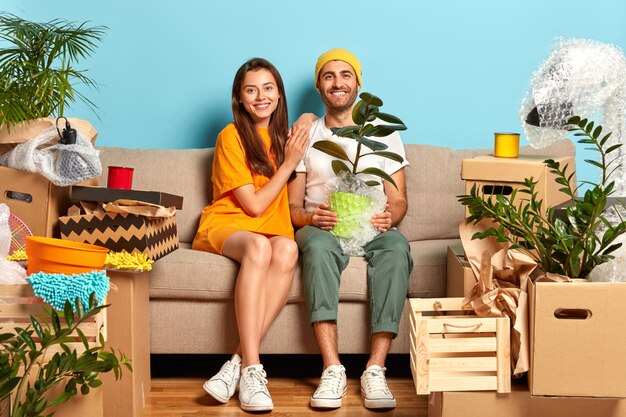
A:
{"x": 256, "y": 381}
{"x": 330, "y": 382}
{"x": 376, "y": 381}
{"x": 227, "y": 373}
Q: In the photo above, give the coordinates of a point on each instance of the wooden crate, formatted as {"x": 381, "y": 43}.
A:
{"x": 18, "y": 303}
{"x": 460, "y": 352}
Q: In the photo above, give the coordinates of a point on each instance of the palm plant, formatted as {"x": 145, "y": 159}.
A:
{"x": 565, "y": 242}
{"x": 38, "y": 70}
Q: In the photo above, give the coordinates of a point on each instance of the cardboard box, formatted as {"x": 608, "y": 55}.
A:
{"x": 17, "y": 304}
{"x": 155, "y": 237}
{"x": 519, "y": 403}
{"x": 129, "y": 331}
{"x": 23, "y": 132}
{"x": 577, "y": 338}
{"x": 107, "y": 195}
{"x": 458, "y": 352}
{"x": 30, "y": 196}
{"x": 460, "y": 277}
{"x": 500, "y": 176}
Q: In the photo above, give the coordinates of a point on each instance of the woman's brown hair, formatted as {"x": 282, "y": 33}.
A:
{"x": 257, "y": 158}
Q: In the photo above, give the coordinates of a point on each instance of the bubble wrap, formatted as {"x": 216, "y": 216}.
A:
{"x": 354, "y": 202}
{"x": 580, "y": 78}
{"x": 615, "y": 269}
{"x": 62, "y": 164}
{"x": 10, "y": 272}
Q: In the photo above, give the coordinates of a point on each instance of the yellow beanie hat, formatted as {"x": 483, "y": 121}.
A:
{"x": 338, "y": 54}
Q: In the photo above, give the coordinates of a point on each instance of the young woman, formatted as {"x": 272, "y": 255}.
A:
{"x": 249, "y": 221}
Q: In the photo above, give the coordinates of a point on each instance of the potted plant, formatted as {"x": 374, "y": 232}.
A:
{"x": 28, "y": 370}
{"x": 571, "y": 241}
{"x": 38, "y": 67}
{"x": 350, "y": 195}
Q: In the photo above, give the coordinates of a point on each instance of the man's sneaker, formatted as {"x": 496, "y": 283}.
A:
{"x": 223, "y": 384}
{"x": 375, "y": 390}
{"x": 253, "y": 393}
{"x": 331, "y": 389}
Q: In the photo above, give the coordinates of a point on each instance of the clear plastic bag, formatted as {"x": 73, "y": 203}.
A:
{"x": 354, "y": 202}
{"x": 62, "y": 164}
{"x": 10, "y": 272}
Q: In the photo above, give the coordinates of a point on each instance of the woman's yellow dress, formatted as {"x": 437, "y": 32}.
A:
{"x": 225, "y": 215}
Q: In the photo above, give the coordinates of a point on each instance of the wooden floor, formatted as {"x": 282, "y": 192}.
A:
{"x": 177, "y": 387}
{"x": 184, "y": 397}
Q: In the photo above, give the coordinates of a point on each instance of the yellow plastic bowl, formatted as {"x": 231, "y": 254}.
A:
{"x": 57, "y": 256}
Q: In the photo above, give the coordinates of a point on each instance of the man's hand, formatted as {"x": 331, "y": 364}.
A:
{"x": 323, "y": 218}
{"x": 382, "y": 221}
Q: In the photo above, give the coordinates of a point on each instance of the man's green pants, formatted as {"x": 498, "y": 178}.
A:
{"x": 389, "y": 264}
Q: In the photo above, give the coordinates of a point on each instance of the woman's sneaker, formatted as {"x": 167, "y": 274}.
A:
{"x": 253, "y": 393}
{"x": 375, "y": 390}
{"x": 331, "y": 389}
{"x": 223, "y": 384}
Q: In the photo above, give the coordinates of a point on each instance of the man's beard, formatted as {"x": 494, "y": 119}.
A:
{"x": 333, "y": 107}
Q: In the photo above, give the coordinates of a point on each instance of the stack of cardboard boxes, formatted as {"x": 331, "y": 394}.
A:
{"x": 577, "y": 329}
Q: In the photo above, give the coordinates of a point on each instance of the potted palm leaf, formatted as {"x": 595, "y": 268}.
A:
{"x": 38, "y": 67}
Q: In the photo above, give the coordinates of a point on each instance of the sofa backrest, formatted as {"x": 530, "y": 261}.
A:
{"x": 433, "y": 182}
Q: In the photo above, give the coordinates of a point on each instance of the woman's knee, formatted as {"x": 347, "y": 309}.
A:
{"x": 285, "y": 254}
{"x": 258, "y": 250}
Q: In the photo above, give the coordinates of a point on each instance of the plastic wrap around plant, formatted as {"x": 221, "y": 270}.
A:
{"x": 580, "y": 78}
{"x": 354, "y": 202}
{"x": 10, "y": 272}
{"x": 62, "y": 164}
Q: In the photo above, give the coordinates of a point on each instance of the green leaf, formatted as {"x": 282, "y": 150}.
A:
{"x": 56, "y": 323}
{"x": 594, "y": 163}
{"x": 389, "y": 118}
{"x": 25, "y": 336}
{"x": 345, "y": 131}
{"x": 379, "y": 173}
{"x": 331, "y": 148}
{"x": 372, "y": 144}
{"x": 60, "y": 399}
{"x": 358, "y": 113}
{"x": 372, "y": 183}
{"x": 339, "y": 166}
{"x": 371, "y": 99}
{"x": 386, "y": 130}
{"x": 614, "y": 147}
{"x": 386, "y": 154}
{"x": 597, "y": 132}
{"x": 68, "y": 313}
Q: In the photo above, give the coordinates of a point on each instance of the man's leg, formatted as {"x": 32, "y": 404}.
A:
{"x": 322, "y": 264}
{"x": 389, "y": 265}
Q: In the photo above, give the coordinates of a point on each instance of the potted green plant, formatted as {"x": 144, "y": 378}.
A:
{"x": 28, "y": 371}
{"x": 38, "y": 70}
{"x": 365, "y": 112}
{"x": 571, "y": 241}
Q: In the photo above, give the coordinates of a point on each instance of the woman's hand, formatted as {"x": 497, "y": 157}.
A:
{"x": 295, "y": 147}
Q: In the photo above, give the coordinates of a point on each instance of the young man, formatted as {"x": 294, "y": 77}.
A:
{"x": 338, "y": 80}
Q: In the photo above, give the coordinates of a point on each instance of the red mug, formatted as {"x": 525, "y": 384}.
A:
{"x": 120, "y": 177}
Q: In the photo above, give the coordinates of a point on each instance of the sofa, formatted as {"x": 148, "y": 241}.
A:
{"x": 191, "y": 292}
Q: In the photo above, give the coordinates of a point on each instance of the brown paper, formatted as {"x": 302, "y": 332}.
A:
{"x": 139, "y": 208}
{"x": 502, "y": 286}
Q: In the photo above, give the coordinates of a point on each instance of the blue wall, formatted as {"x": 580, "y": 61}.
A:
{"x": 454, "y": 70}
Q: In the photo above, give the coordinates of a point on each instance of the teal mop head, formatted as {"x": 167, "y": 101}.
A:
{"x": 55, "y": 289}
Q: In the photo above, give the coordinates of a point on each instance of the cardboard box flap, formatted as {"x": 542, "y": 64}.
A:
{"x": 490, "y": 168}
{"x": 25, "y": 131}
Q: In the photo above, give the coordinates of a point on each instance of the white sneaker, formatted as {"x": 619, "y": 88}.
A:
{"x": 253, "y": 393}
{"x": 223, "y": 384}
{"x": 375, "y": 390}
{"x": 331, "y": 389}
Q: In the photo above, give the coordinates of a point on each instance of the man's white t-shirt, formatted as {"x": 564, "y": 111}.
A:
{"x": 317, "y": 165}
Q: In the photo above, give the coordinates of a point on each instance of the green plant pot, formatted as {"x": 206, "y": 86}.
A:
{"x": 349, "y": 209}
